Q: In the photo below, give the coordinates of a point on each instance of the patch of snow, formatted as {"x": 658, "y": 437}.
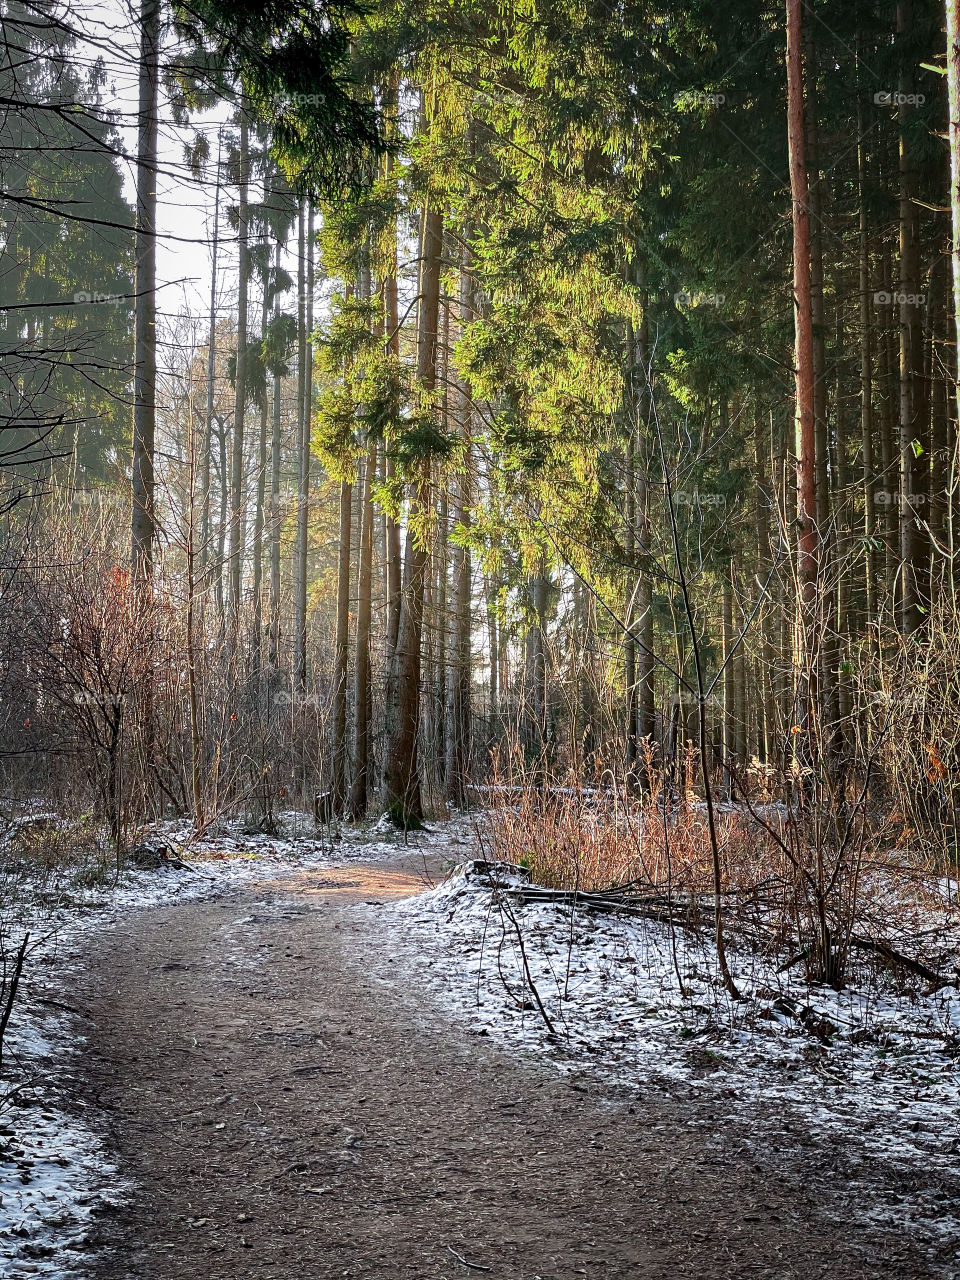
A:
{"x": 632, "y": 1002}
{"x": 55, "y": 1167}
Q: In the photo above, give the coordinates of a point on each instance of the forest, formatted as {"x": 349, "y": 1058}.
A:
{"x": 503, "y": 455}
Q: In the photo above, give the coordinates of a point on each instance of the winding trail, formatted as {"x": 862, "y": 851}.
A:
{"x": 289, "y": 1106}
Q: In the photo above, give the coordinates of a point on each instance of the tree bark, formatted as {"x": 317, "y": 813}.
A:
{"x": 259, "y": 516}
{"x": 402, "y": 798}
{"x": 236, "y": 467}
{"x": 458, "y": 667}
{"x": 276, "y": 445}
{"x": 911, "y": 351}
{"x": 363, "y": 693}
{"x": 303, "y": 451}
{"x": 804, "y": 376}
{"x": 145, "y": 316}
{"x": 338, "y": 791}
{"x": 205, "y": 461}
{"x": 866, "y": 384}
{"x": 953, "y": 96}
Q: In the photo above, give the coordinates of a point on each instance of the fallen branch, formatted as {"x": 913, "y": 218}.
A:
{"x": 897, "y": 958}
{"x": 687, "y": 913}
{"x": 10, "y": 990}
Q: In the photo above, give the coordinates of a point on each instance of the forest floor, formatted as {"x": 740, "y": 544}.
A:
{"x": 281, "y": 1093}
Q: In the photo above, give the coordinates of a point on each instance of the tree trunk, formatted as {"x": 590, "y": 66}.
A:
{"x": 145, "y": 316}
{"x": 817, "y": 313}
{"x": 394, "y": 561}
{"x": 259, "y": 517}
{"x": 889, "y": 431}
{"x": 458, "y": 667}
{"x": 363, "y": 694}
{"x": 646, "y": 665}
{"x": 203, "y": 550}
{"x": 911, "y": 352}
{"x": 236, "y": 469}
{"x": 804, "y": 378}
{"x": 223, "y": 519}
{"x": 145, "y": 356}
{"x": 494, "y": 640}
{"x": 953, "y": 92}
{"x": 303, "y": 450}
{"x": 866, "y": 385}
{"x": 402, "y": 798}
{"x": 276, "y": 445}
{"x": 338, "y": 791}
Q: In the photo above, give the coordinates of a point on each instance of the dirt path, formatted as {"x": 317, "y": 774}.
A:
{"x": 288, "y": 1109}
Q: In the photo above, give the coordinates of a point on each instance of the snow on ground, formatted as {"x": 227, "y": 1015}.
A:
{"x": 876, "y": 1068}
{"x": 625, "y": 1000}
{"x": 55, "y": 1167}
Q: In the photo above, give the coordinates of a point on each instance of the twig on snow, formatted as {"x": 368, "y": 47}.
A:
{"x": 474, "y": 1266}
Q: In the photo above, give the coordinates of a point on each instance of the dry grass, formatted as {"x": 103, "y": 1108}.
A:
{"x": 783, "y": 882}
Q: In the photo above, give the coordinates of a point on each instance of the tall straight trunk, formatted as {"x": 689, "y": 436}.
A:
{"x": 632, "y": 415}
{"x": 203, "y": 549}
{"x": 434, "y": 646}
{"x": 630, "y": 614}
{"x": 804, "y": 379}
{"x": 536, "y": 691}
{"x": 940, "y": 410}
{"x": 458, "y": 667}
{"x": 338, "y": 783}
{"x": 303, "y": 460}
{"x": 953, "y": 95}
{"x": 646, "y": 666}
{"x": 193, "y": 690}
{"x": 729, "y": 687}
{"x": 493, "y": 638}
{"x": 762, "y": 447}
{"x": 394, "y": 559}
{"x": 363, "y": 692}
{"x": 276, "y": 445}
{"x": 236, "y": 468}
{"x": 145, "y": 355}
{"x": 911, "y": 349}
{"x": 843, "y": 625}
{"x": 223, "y": 519}
{"x": 145, "y": 315}
{"x": 259, "y": 515}
{"x": 402, "y": 797}
{"x": 341, "y": 649}
{"x": 786, "y": 503}
{"x": 930, "y": 336}
{"x": 741, "y": 713}
{"x": 866, "y": 383}
{"x": 889, "y": 431}
{"x": 817, "y": 310}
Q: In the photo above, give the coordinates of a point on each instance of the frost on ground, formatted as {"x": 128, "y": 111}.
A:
{"x": 55, "y": 1167}
{"x": 635, "y": 1002}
